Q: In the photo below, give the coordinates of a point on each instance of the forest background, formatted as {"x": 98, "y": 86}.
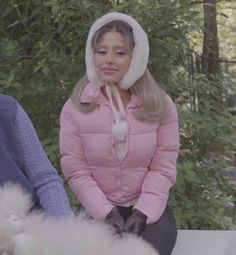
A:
{"x": 193, "y": 56}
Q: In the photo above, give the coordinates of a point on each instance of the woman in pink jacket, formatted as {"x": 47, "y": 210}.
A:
{"x": 119, "y": 137}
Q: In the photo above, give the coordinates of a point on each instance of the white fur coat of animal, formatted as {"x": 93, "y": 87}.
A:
{"x": 32, "y": 233}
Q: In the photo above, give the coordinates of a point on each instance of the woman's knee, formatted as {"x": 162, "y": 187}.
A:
{"x": 162, "y": 234}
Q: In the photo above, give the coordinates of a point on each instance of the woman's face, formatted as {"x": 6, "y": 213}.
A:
{"x": 112, "y": 57}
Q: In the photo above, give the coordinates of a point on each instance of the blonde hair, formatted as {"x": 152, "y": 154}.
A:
{"x": 154, "y": 106}
{"x": 145, "y": 88}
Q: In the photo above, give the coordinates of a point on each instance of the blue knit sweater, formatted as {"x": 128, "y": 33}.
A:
{"x": 34, "y": 163}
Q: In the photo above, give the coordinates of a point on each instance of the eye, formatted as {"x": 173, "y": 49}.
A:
{"x": 121, "y": 53}
{"x": 101, "y": 52}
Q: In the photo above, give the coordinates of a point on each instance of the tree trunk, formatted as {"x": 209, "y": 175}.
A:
{"x": 210, "y": 65}
{"x": 210, "y": 55}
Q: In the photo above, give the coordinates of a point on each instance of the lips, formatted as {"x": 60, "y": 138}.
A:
{"x": 109, "y": 70}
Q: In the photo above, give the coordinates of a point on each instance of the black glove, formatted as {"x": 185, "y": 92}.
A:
{"x": 136, "y": 222}
{"x": 116, "y": 220}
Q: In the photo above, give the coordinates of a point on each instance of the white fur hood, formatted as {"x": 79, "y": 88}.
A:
{"x": 139, "y": 60}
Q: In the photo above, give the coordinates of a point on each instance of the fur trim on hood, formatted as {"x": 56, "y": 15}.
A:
{"x": 139, "y": 60}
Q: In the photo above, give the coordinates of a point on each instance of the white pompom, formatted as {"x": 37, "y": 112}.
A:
{"x": 120, "y": 131}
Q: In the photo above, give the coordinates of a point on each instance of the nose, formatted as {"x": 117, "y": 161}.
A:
{"x": 109, "y": 57}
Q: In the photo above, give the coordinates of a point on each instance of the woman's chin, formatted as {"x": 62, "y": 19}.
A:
{"x": 110, "y": 80}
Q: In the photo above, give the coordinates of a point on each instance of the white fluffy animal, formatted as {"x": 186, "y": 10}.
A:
{"x": 23, "y": 233}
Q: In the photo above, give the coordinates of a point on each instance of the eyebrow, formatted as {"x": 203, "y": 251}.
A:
{"x": 115, "y": 47}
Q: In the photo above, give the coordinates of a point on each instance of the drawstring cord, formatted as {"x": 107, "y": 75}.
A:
{"x": 120, "y": 127}
{"x": 111, "y": 89}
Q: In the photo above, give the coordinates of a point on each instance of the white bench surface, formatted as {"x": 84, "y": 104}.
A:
{"x": 205, "y": 242}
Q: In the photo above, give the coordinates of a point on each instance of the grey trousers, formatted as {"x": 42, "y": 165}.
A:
{"x": 162, "y": 234}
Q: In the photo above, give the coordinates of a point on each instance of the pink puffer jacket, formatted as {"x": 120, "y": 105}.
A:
{"x": 99, "y": 181}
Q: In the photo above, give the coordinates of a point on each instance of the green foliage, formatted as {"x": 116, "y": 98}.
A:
{"x": 42, "y": 57}
{"x": 202, "y": 197}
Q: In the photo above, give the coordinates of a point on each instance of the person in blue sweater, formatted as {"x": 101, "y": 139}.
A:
{"x": 23, "y": 160}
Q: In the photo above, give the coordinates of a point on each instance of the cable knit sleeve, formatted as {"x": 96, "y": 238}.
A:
{"x": 37, "y": 167}
{"x": 162, "y": 170}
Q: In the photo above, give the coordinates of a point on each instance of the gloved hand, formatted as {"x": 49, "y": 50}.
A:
{"x": 116, "y": 220}
{"x": 136, "y": 222}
